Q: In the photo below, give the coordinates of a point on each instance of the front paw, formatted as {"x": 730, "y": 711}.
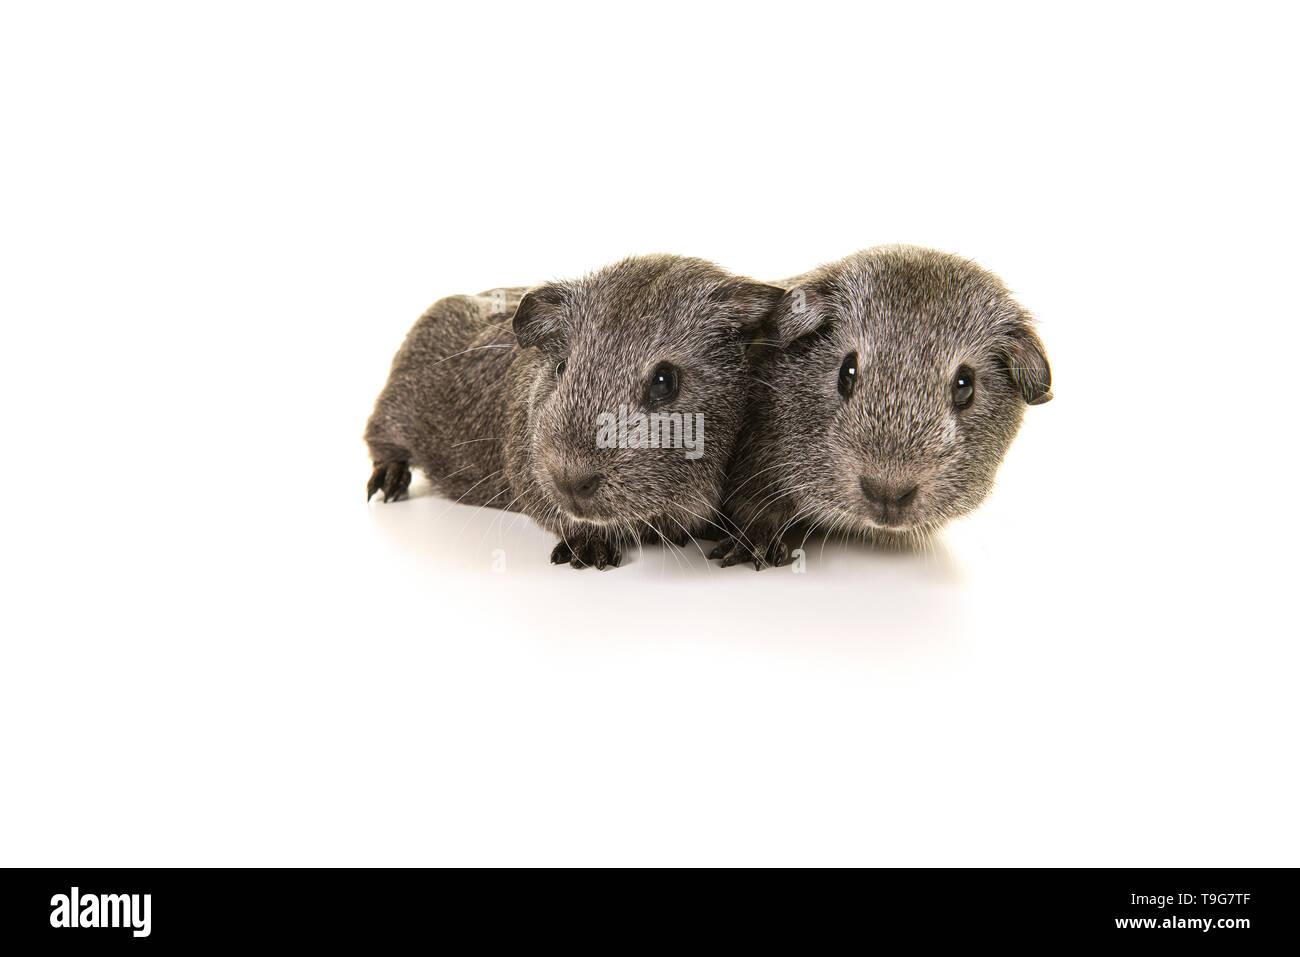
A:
{"x": 734, "y": 551}
{"x": 587, "y": 551}
{"x": 393, "y": 477}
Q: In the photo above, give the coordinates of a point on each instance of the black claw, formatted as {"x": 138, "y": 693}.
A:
{"x": 398, "y": 481}
{"x": 731, "y": 551}
{"x": 587, "y": 553}
{"x": 394, "y": 478}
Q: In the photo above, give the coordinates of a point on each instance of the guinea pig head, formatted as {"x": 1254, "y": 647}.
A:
{"x": 904, "y": 378}
{"x": 639, "y": 388}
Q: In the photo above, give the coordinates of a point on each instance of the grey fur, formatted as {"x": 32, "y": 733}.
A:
{"x": 475, "y": 402}
{"x": 813, "y": 459}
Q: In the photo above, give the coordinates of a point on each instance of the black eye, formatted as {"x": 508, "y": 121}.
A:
{"x": 848, "y": 374}
{"x": 963, "y": 388}
{"x": 663, "y": 384}
{"x": 559, "y": 369}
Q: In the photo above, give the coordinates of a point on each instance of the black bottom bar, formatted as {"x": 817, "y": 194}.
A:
{"x": 1223, "y": 909}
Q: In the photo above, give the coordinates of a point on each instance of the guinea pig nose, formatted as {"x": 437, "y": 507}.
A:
{"x": 581, "y": 486}
{"x": 884, "y": 493}
{"x": 587, "y": 484}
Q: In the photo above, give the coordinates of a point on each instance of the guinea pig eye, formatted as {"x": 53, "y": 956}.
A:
{"x": 963, "y": 388}
{"x": 848, "y": 374}
{"x": 663, "y": 384}
{"x": 559, "y": 369}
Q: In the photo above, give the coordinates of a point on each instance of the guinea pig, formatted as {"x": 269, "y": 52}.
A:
{"x": 884, "y": 399}
{"x": 606, "y": 408}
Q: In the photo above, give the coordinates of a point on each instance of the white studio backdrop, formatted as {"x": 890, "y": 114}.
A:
{"x": 220, "y": 220}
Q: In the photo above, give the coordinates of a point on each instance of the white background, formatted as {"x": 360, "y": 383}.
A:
{"x": 219, "y": 221}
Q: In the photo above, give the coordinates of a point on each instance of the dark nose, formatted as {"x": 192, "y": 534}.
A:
{"x": 580, "y": 487}
{"x": 886, "y": 494}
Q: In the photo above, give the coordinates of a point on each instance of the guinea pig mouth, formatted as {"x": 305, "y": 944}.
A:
{"x": 891, "y": 526}
{"x": 888, "y": 521}
{"x": 586, "y": 512}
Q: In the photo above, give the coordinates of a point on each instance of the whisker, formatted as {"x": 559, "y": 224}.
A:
{"x": 499, "y": 345}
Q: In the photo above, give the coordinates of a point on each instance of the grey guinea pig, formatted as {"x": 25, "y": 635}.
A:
{"x": 884, "y": 400}
{"x": 508, "y": 412}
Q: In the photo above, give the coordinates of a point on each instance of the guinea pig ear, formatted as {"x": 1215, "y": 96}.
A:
{"x": 746, "y": 302}
{"x": 538, "y": 316}
{"x": 802, "y": 310}
{"x": 1027, "y": 362}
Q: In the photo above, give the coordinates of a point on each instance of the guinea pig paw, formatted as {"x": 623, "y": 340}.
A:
{"x": 394, "y": 478}
{"x": 587, "y": 553}
{"x": 731, "y": 551}
{"x": 724, "y": 549}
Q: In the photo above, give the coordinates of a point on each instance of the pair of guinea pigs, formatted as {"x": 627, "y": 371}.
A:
{"x": 875, "y": 395}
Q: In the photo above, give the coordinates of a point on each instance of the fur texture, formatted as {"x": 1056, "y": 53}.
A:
{"x": 502, "y": 411}
{"x": 896, "y": 458}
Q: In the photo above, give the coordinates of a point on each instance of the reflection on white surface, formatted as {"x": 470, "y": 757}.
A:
{"x": 850, "y": 598}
